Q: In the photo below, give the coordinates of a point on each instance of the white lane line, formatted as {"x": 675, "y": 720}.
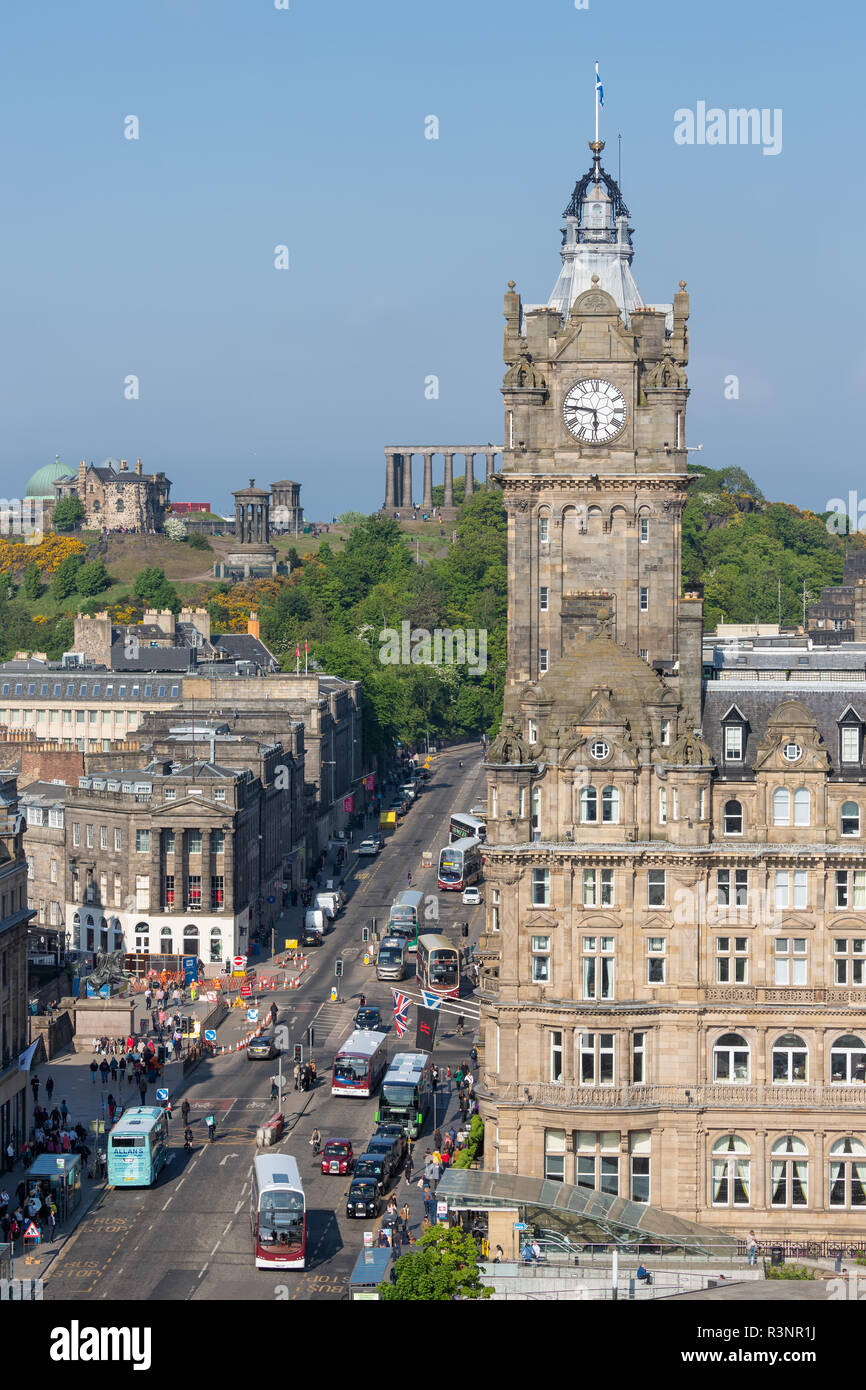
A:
{"x": 202, "y": 1270}
{"x": 180, "y": 1184}
{"x": 167, "y": 1202}
{"x": 238, "y": 1207}
{"x": 215, "y": 1249}
{"x": 227, "y": 1229}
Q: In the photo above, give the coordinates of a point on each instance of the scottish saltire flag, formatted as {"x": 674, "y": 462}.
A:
{"x": 401, "y": 1012}
{"x": 431, "y": 1001}
{"x": 598, "y": 87}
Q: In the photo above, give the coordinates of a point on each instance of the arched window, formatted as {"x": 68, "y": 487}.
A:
{"x": 166, "y": 942}
{"x": 790, "y": 1059}
{"x": 76, "y": 919}
{"x": 802, "y": 806}
{"x": 731, "y": 1172}
{"x": 789, "y": 1173}
{"x": 216, "y": 946}
{"x": 588, "y": 805}
{"x": 535, "y": 800}
{"x": 103, "y": 934}
{"x": 117, "y": 930}
{"x": 610, "y": 805}
{"x": 733, "y": 818}
{"x": 142, "y": 937}
{"x": 848, "y": 1172}
{"x": 847, "y": 1060}
{"x": 781, "y": 806}
{"x": 731, "y": 1058}
{"x": 190, "y": 939}
{"x": 850, "y": 818}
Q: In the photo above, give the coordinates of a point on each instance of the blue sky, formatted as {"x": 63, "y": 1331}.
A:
{"x": 305, "y": 127}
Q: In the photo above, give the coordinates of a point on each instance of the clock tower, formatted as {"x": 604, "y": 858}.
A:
{"x": 594, "y": 468}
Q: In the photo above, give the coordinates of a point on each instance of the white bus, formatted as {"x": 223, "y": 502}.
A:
{"x": 459, "y": 865}
{"x": 360, "y": 1064}
{"x": 278, "y": 1212}
{"x": 467, "y": 827}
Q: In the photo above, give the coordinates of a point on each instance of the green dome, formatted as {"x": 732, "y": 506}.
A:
{"x": 43, "y": 480}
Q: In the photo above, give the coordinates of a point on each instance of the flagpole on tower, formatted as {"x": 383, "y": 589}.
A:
{"x": 597, "y": 86}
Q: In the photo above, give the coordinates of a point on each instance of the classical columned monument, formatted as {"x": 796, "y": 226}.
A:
{"x": 398, "y": 474}
{"x": 674, "y": 995}
{"x": 252, "y": 555}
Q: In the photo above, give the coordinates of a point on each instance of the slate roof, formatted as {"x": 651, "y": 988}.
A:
{"x": 756, "y": 703}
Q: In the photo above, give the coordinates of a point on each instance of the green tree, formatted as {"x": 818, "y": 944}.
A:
{"x": 151, "y": 585}
{"x": 58, "y": 636}
{"x": 93, "y": 578}
{"x": 197, "y": 540}
{"x": 444, "y": 1266}
{"x": 65, "y": 580}
{"x": 33, "y": 585}
{"x": 352, "y": 518}
{"x": 68, "y": 513}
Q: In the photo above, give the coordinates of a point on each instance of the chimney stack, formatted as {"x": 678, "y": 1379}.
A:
{"x": 123, "y": 465}
{"x": 138, "y": 467}
{"x": 253, "y": 629}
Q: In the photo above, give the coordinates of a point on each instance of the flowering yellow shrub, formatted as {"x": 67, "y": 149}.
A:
{"x": 48, "y": 555}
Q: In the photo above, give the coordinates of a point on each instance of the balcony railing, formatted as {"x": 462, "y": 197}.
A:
{"x": 711, "y": 1095}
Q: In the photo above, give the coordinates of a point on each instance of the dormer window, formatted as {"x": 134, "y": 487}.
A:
{"x": 792, "y": 752}
{"x": 733, "y": 743}
{"x": 850, "y": 736}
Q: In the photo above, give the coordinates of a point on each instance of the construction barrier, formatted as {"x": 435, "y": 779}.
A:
{"x": 271, "y": 1132}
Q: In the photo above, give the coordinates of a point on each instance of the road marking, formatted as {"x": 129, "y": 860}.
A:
{"x": 180, "y": 1184}
{"x": 238, "y": 1207}
{"x": 227, "y": 1229}
{"x": 224, "y": 1161}
{"x": 215, "y": 1249}
{"x": 202, "y": 1270}
{"x": 167, "y": 1202}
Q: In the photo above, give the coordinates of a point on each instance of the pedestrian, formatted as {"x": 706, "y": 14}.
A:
{"x": 405, "y": 1215}
{"x": 429, "y": 1204}
{"x": 752, "y": 1248}
{"x": 168, "y": 1108}
{"x": 184, "y": 1111}
{"x": 297, "y": 1075}
{"x": 104, "y": 1071}
{"x": 410, "y": 1166}
{"x": 34, "y": 1085}
{"x": 111, "y": 1106}
{"x": 211, "y": 1127}
{"x": 113, "y": 1068}
{"x": 121, "y": 1068}
{"x": 49, "y": 1087}
{"x": 10, "y": 1156}
{"x": 142, "y": 1091}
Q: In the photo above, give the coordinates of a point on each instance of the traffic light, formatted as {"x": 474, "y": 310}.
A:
{"x": 365, "y": 934}
{"x": 338, "y": 967}
{"x": 311, "y": 1037}
{"x": 299, "y": 1052}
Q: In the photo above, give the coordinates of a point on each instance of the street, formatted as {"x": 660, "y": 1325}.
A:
{"x": 188, "y": 1237}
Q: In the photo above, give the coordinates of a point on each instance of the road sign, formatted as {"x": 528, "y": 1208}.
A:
{"x": 368, "y": 1240}
{"x": 162, "y": 1094}
{"x": 441, "y": 1209}
{"x": 299, "y": 1053}
{"x": 252, "y": 1015}
{"x": 211, "y": 996}
{"x": 520, "y": 1226}
{"x": 246, "y": 989}
{"x": 272, "y": 899}
{"x": 239, "y": 962}
{"x": 32, "y": 1231}
{"x": 210, "y": 1035}
{"x": 291, "y": 945}
{"x": 311, "y": 1037}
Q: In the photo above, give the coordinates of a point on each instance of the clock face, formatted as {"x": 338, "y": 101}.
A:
{"x": 594, "y": 411}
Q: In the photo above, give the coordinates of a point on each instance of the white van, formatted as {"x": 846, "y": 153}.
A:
{"x": 315, "y": 920}
{"x": 329, "y": 903}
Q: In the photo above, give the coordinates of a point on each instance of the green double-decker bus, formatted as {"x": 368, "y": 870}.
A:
{"x": 406, "y": 1091}
{"x": 138, "y": 1147}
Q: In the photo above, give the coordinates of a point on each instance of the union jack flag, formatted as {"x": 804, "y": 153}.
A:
{"x": 401, "y": 1012}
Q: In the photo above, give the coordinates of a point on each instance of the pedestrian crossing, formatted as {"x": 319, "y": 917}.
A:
{"x": 332, "y": 1024}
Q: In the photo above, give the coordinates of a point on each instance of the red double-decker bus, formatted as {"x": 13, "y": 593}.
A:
{"x": 278, "y": 1217}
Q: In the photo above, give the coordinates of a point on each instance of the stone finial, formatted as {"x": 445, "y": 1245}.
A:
{"x": 595, "y": 279}
{"x": 511, "y": 285}
{"x": 682, "y": 284}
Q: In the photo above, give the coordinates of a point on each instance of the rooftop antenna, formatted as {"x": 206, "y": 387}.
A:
{"x": 619, "y": 161}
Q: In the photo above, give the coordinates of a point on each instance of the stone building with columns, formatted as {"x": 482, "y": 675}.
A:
{"x": 287, "y": 514}
{"x": 251, "y": 556}
{"x": 674, "y": 994}
{"x": 398, "y": 475}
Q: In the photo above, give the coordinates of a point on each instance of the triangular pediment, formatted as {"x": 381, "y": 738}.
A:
{"x": 207, "y": 810}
